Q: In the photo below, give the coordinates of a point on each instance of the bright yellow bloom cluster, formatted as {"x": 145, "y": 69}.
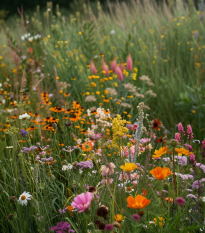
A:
{"x": 118, "y": 128}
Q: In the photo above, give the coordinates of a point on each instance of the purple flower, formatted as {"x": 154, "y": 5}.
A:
{"x": 136, "y": 217}
{"x": 192, "y": 158}
{"x": 196, "y": 34}
{"x": 192, "y": 196}
{"x": 182, "y": 160}
{"x": 185, "y": 176}
{"x": 109, "y": 227}
{"x": 188, "y": 147}
{"x": 179, "y": 201}
{"x": 196, "y": 184}
{"x": 203, "y": 144}
{"x": 23, "y": 133}
{"x": 200, "y": 165}
{"x": 62, "y": 227}
{"x": 86, "y": 164}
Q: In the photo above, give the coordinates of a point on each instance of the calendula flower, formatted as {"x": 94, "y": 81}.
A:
{"x": 160, "y": 152}
{"x": 128, "y": 167}
{"x": 87, "y": 146}
{"x": 161, "y": 173}
{"x": 24, "y": 197}
{"x": 182, "y": 151}
{"x": 138, "y": 202}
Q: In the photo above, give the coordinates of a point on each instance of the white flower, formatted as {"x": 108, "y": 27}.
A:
{"x": 25, "y": 196}
{"x": 80, "y": 171}
{"x": 79, "y": 141}
{"x": 129, "y": 189}
{"x": 67, "y": 167}
{"x": 9, "y": 147}
{"x": 112, "y": 32}
{"x": 24, "y": 116}
{"x": 203, "y": 199}
{"x": 0, "y": 84}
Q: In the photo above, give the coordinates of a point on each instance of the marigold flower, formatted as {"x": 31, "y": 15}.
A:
{"x": 160, "y": 152}
{"x": 138, "y": 202}
{"x": 161, "y": 173}
{"x": 128, "y": 167}
{"x": 182, "y": 151}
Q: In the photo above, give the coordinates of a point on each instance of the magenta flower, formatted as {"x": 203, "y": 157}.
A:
{"x": 203, "y": 144}
{"x": 109, "y": 227}
{"x": 189, "y": 132}
{"x": 136, "y": 217}
{"x": 119, "y": 73}
{"x": 181, "y": 128}
{"x": 180, "y": 201}
{"x": 82, "y": 201}
{"x": 178, "y": 137}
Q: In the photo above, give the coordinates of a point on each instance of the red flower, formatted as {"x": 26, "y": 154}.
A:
{"x": 156, "y": 123}
{"x": 161, "y": 140}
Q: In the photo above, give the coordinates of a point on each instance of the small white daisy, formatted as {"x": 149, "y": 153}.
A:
{"x": 24, "y": 116}
{"x": 24, "y": 197}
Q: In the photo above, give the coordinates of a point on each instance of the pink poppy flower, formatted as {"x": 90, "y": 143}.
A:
{"x": 82, "y": 201}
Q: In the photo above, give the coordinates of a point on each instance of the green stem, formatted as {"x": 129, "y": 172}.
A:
{"x": 175, "y": 185}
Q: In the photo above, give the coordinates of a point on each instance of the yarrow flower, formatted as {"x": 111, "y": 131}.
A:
{"x": 24, "y": 197}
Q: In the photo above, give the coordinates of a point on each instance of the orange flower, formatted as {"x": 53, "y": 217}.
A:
{"x": 144, "y": 192}
{"x": 138, "y": 202}
{"x": 128, "y": 167}
{"x": 119, "y": 217}
{"x": 160, "y": 152}
{"x": 168, "y": 199}
{"x": 160, "y": 173}
{"x": 182, "y": 151}
{"x": 87, "y": 146}
{"x": 70, "y": 208}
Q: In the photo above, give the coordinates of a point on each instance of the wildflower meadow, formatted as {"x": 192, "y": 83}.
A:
{"x": 102, "y": 119}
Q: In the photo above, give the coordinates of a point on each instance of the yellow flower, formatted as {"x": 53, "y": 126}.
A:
{"x": 182, "y": 151}
{"x": 160, "y": 152}
{"x": 128, "y": 167}
{"x": 106, "y": 92}
{"x": 159, "y": 220}
{"x": 119, "y": 217}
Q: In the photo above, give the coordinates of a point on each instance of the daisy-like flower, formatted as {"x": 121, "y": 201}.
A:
{"x": 156, "y": 123}
{"x": 182, "y": 151}
{"x": 24, "y": 197}
{"x": 87, "y": 146}
{"x": 160, "y": 152}
{"x": 161, "y": 139}
{"x": 129, "y": 189}
{"x": 24, "y": 116}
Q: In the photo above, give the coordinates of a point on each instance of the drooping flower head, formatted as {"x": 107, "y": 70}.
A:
{"x": 161, "y": 173}
{"x": 128, "y": 167}
{"x": 82, "y": 201}
{"x": 138, "y": 202}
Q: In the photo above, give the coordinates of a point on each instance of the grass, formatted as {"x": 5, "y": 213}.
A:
{"x": 49, "y": 77}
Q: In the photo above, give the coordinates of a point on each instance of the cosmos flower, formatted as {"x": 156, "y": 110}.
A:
{"x": 82, "y": 202}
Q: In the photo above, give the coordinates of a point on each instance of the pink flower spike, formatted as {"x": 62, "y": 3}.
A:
{"x": 122, "y": 67}
{"x": 113, "y": 65}
{"x": 105, "y": 67}
{"x": 129, "y": 62}
{"x": 180, "y": 201}
{"x": 82, "y": 202}
{"x": 119, "y": 73}
{"x": 92, "y": 67}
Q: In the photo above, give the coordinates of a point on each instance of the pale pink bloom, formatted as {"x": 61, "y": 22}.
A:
{"x": 189, "y": 132}
{"x": 125, "y": 176}
{"x": 129, "y": 62}
{"x": 82, "y": 201}
{"x": 134, "y": 176}
{"x": 127, "y": 151}
{"x": 92, "y": 67}
{"x": 153, "y": 136}
{"x": 122, "y": 67}
{"x": 119, "y": 73}
{"x": 105, "y": 67}
{"x": 113, "y": 65}
{"x": 134, "y": 183}
{"x": 107, "y": 181}
{"x": 180, "y": 128}
{"x": 145, "y": 140}
{"x": 108, "y": 170}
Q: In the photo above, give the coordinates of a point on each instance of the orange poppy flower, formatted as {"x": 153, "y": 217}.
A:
{"x": 144, "y": 192}
{"x": 161, "y": 173}
{"x": 138, "y": 202}
{"x": 182, "y": 151}
{"x": 160, "y": 152}
{"x": 70, "y": 208}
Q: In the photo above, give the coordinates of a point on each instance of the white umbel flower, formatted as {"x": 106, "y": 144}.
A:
{"x": 24, "y": 197}
{"x": 24, "y": 116}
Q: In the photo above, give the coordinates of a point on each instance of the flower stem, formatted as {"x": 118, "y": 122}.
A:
{"x": 175, "y": 185}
